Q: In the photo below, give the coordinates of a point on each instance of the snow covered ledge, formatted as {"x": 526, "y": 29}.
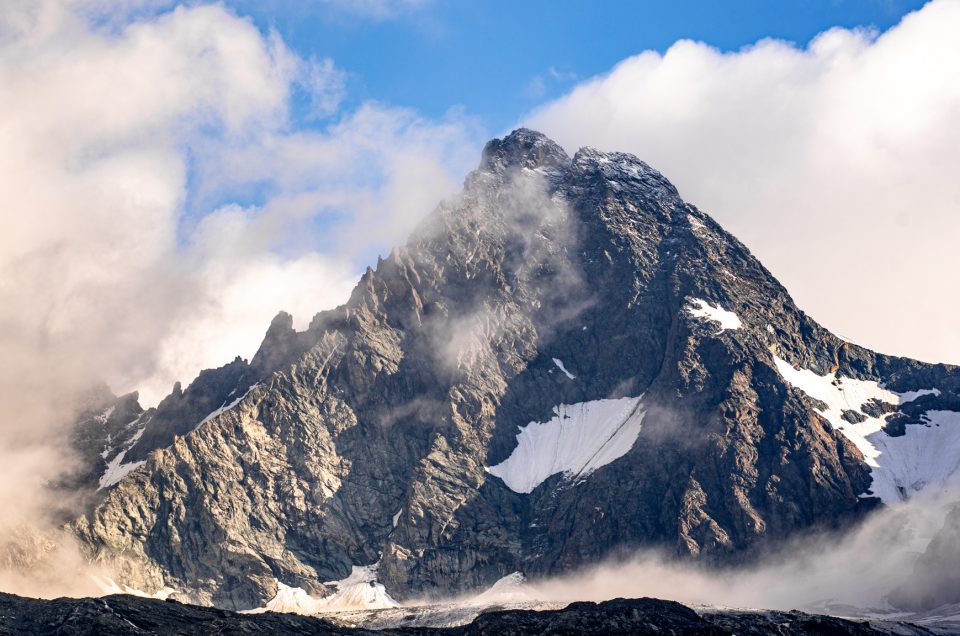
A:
{"x": 706, "y": 311}
{"x": 577, "y": 440}
{"x": 925, "y": 458}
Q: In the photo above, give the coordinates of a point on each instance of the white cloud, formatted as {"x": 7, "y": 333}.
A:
{"x": 95, "y": 167}
{"x": 123, "y": 145}
{"x": 561, "y": 76}
{"x": 539, "y": 85}
{"x": 109, "y": 126}
{"x": 325, "y": 85}
{"x": 387, "y": 166}
{"x": 835, "y": 163}
{"x": 536, "y": 87}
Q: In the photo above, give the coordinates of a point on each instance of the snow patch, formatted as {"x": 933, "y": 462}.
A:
{"x": 105, "y": 415}
{"x": 703, "y": 309}
{"x": 560, "y": 366}
{"x": 109, "y": 586}
{"x": 292, "y": 600}
{"x": 578, "y": 440}
{"x": 116, "y": 469}
{"x": 396, "y": 518}
{"x": 224, "y": 407}
{"x": 927, "y": 454}
{"x": 359, "y": 591}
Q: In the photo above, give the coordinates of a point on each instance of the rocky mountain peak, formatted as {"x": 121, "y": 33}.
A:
{"x": 564, "y": 362}
{"x": 623, "y": 168}
{"x": 280, "y": 343}
{"x": 523, "y": 148}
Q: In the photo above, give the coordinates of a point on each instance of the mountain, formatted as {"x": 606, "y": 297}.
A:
{"x": 564, "y": 363}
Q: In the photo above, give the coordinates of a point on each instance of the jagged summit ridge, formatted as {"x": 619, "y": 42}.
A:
{"x": 523, "y": 148}
{"x": 553, "y": 301}
{"x": 622, "y": 168}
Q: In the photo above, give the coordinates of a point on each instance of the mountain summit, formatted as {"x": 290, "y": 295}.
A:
{"x": 564, "y": 362}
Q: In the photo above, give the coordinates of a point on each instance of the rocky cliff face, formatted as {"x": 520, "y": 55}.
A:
{"x": 564, "y": 362}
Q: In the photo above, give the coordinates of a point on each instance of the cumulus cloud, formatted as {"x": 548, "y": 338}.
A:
{"x": 387, "y": 166}
{"x": 95, "y": 158}
{"x": 114, "y": 131}
{"x": 161, "y": 204}
{"x": 835, "y": 163}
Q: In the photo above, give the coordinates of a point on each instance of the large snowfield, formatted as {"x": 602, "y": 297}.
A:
{"x": 576, "y": 441}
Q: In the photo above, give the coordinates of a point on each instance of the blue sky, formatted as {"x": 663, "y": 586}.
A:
{"x": 498, "y": 59}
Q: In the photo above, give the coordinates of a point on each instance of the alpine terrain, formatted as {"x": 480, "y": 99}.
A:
{"x": 565, "y": 362}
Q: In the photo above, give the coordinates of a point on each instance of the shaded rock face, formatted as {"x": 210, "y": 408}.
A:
{"x": 104, "y": 426}
{"x": 550, "y": 280}
{"x": 182, "y": 411}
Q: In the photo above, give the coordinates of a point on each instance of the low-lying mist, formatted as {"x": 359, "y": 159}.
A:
{"x": 859, "y": 568}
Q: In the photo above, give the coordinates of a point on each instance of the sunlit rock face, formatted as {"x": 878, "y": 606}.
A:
{"x": 565, "y": 362}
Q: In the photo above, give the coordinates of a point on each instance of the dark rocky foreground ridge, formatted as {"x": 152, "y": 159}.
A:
{"x": 549, "y": 281}
{"x": 130, "y": 615}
